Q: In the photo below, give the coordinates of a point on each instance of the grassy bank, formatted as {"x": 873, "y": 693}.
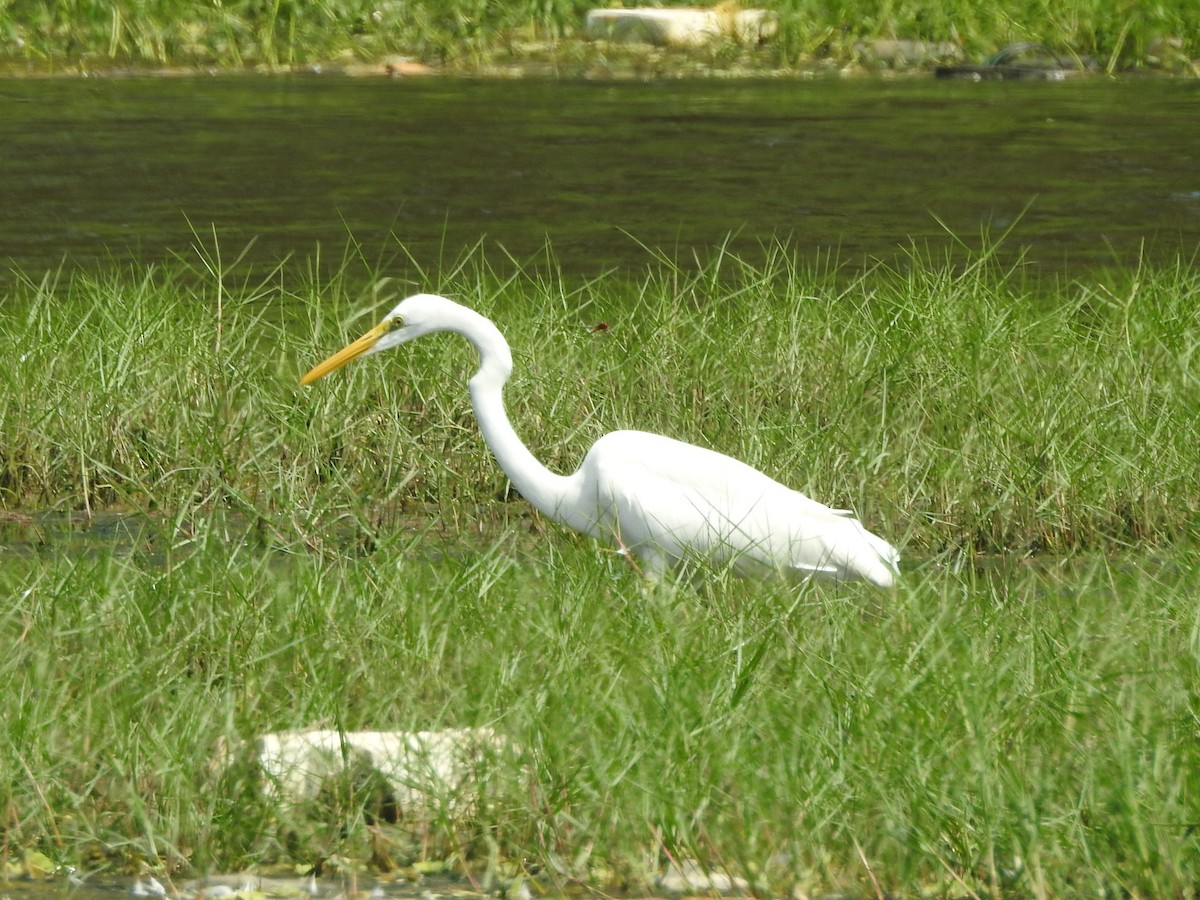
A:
{"x": 1025, "y": 731}
{"x": 1017, "y": 717}
{"x": 471, "y": 35}
{"x": 957, "y": 408}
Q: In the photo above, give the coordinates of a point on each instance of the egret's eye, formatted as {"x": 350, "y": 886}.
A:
{"x": 395, "y": 322}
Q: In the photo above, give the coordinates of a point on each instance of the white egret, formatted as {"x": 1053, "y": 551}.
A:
{"x": 658, "y": 499}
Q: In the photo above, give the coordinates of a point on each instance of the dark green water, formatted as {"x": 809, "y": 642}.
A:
{"x": 95, "y": 171}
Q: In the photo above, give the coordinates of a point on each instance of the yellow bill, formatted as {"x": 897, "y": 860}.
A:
{"x": 347, "y": 354}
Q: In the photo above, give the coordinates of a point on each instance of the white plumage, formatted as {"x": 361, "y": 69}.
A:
{"x": 661, "y": 500}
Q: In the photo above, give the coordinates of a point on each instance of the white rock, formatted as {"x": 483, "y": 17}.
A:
{"x": 151, "y": 888}
{"x": 689, "y": 876}
{"x": 680, "y": 27}
{"x": 427, "y": 771}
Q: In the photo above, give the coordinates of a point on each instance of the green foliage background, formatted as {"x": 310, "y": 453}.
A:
{"x": 466, "y": 34}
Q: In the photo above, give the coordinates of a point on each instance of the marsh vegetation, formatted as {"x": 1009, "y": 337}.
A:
{"x": 1017, "y": 716}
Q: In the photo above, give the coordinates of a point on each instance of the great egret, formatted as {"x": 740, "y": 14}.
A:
{"x": 659, "y": 499}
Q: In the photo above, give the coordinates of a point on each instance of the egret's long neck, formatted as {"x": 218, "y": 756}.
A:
{"x": 537, "y": 484}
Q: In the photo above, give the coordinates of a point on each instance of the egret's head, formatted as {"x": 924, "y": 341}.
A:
{"x": 413, "y": 317}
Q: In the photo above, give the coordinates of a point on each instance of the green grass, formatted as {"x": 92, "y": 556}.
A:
{"x": 474, "y": 35}
{"x": 1018, "y": 717}
{"x": 1029, "y": 730}
{"x": 957, "y": 407}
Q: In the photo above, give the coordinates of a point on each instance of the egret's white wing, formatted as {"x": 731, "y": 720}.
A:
{"x": 667, "y": 501}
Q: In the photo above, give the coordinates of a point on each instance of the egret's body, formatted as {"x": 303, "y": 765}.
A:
{"x": 661, "y": 500}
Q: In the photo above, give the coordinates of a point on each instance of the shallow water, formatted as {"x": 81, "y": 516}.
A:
{"x": 122, "y": 169}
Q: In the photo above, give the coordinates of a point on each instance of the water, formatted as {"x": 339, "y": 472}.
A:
{"x": 95, "y": 172}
